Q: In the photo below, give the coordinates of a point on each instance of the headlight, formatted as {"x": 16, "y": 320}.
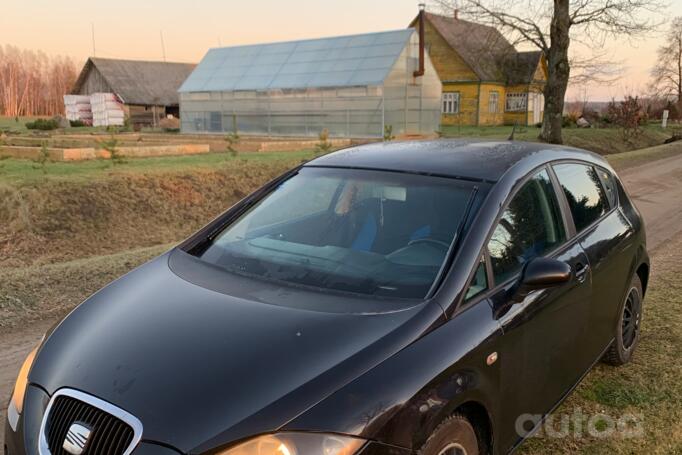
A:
{"x": 16, "y": 403}
{"x": 297, "y": 444}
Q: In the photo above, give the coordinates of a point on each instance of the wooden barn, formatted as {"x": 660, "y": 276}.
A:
{"x": 486, "y": 81}
{"x": 148, "y": 90}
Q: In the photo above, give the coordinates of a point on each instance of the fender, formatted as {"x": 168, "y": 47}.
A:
{"x": 401, "y": 401}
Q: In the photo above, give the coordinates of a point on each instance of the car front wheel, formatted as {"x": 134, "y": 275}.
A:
{"x": 627, "y": 331}
{"x": 455, "y": 436}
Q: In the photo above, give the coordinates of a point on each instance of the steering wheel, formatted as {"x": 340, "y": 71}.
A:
{"x": 429, "y": 240}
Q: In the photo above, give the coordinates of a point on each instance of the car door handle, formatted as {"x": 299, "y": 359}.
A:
{"x": 581, "y": 271}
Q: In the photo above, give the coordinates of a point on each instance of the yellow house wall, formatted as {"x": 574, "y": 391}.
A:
{"x": 485, "y": 116}
{"x": 468, "y": 102}
{"x": 522, "y": 118}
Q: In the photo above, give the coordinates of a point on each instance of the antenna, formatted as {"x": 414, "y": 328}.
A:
{"x": 163, "y": 46}
{"x": 220, "y": 43}
{"x": 94, "y": 52}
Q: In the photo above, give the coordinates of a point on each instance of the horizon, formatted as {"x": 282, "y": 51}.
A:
{"x": 183, "y": 36}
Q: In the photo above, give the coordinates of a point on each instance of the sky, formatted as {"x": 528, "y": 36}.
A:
{"x": 134, "y": 29}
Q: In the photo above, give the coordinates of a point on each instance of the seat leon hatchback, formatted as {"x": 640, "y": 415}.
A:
{"x": 435, "y": 297}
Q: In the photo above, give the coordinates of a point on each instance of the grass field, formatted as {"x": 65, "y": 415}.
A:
{"x": 21, "y": 172}
{"x": 10, "y": 124}
{"x": 600, "y": 140}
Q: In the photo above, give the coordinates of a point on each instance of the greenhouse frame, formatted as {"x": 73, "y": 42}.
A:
{"x": 352, "y": 86}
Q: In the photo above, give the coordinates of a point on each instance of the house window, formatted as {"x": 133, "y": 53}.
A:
{"x": 516, "y": 102}
{"x": 493, "y": 102}
{"x": 451, "y": 103}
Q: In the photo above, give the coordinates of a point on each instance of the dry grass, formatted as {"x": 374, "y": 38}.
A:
{"x": 63, "y": 220}
{"x": 49, "y": 291}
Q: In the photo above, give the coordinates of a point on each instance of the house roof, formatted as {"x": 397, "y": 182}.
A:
{"x": 341, "y": 61}
{"x": 139, "y": 82}
{"x": 483, "y": 48}
{"x": 521, "y": 67}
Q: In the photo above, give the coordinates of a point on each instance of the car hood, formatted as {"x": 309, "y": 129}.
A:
{"x": 202, "y": 368}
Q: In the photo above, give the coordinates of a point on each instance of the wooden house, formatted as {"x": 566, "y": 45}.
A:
{"x": 148, "y": 90}
{"x": 486, "y": 81}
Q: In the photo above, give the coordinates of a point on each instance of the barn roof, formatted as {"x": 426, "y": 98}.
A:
{"x": 341, "y": 61}
{"x": 521, "y": 67}
{"x": 483, "y": 48}
{"x": 139, "y": 82}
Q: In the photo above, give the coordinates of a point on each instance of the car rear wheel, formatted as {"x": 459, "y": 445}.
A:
{"x": 455, "y": 436}
{"x": 627, "y": 331}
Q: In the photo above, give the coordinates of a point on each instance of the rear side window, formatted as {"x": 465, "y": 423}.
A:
{"x": 530, "y": 226}
{"x": 586, "y": 196}
{"x": 609, "y": 183}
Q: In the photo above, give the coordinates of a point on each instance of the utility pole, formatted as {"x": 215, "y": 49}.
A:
{"x": 94, "y": 52}
{"x": 163, "y": 46}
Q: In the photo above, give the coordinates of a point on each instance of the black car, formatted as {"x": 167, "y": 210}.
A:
{"x": 384, "y": 299}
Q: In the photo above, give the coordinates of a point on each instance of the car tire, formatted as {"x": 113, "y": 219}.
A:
{"x": 628, "y": 329}
{"x": 454, "y": 436}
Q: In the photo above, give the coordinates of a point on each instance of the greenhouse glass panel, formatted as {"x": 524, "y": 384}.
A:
{"x": 353, "y": 86}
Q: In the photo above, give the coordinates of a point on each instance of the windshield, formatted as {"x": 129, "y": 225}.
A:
{"x": 367, "y": 232}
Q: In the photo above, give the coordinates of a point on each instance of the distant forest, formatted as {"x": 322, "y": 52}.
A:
{"x": 33, "y": 83}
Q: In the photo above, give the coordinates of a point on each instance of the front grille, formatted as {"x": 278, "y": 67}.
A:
{"x": 109, "y": 434}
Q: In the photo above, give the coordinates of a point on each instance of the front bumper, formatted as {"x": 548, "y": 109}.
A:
{"x": 24, "y": 441}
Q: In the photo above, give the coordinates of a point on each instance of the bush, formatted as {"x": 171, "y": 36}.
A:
{"x": 324, "y": 146}
{"x": 43, "y": 124}
{"x": 76, "y": 123}
{"x": 569, "y": 120}
{"x": 628, "y": 115}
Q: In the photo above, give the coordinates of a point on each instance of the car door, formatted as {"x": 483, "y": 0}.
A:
{"x": 543, "y": 335}
{"x": 606, "y": 236}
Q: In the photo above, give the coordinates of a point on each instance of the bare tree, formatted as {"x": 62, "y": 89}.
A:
{"x": 667, "y": 74}
{"x": 550, "y": 26}
{"x": 31, "y": 83}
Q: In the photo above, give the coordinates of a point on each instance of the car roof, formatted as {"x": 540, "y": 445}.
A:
{"x": 459, "y": 158}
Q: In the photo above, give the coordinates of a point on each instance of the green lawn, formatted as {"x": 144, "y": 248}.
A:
{"x": 10, "y": 125}
{"x": 19, "y": 172}
{"x": 600, "y": 140}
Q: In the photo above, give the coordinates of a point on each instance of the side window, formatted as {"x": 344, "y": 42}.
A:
{"x": 583, "y": 189}
{"x": 479, "y": 283}
{"x": 609, "y": 182}
{"x": 529, "y": 227}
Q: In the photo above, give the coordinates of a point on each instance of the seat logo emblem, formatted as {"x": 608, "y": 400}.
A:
{"x": 76, "y": 438}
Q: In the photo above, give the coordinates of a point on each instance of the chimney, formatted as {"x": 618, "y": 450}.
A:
{"x": 420, "y": 71}
{"x": 455, "y": 14}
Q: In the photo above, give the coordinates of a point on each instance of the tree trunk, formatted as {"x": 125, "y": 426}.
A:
{"x": 558, "y": 73}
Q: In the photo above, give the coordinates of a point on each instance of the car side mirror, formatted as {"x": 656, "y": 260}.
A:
{"x": 541, "y": 273}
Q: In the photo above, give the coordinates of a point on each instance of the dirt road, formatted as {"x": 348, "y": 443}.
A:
{"x": 656, "y": 188}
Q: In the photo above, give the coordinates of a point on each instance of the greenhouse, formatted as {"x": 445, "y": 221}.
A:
{"x": 352, "y": 86}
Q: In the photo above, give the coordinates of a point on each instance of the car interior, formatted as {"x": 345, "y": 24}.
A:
{"x": 387, "y": 236}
